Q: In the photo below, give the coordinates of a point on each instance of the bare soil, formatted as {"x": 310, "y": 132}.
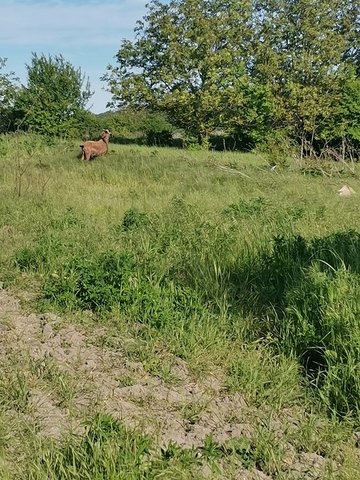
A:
{"x": 71, "y": 373}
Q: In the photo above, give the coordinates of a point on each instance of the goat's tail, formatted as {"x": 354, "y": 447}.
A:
{"x": 81, "y": 146}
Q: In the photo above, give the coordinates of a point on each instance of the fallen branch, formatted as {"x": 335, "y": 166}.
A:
{"x": 228, "y": 169}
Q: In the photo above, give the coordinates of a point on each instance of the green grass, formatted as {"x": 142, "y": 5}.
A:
{"x": 258, "y": 277}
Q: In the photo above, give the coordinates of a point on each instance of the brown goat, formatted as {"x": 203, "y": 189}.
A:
{"x": 92, "y": 149}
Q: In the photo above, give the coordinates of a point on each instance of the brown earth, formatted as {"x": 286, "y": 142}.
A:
{"x": 71, "y": 373}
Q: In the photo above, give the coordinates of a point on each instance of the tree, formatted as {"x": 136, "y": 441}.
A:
{"x": 246, "y": 67}
{"x": 189, "y": 61}
{"x": 302, "y": 50}
{"x": 347, "y": 118}
{"x": 9, "y": 89}
{"x": 55, "y": 96}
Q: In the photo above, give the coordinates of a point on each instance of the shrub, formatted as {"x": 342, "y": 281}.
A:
{"x": 117, "y": 282}
{"x": 157, "y": 130}
{"x": 92, "y": 284}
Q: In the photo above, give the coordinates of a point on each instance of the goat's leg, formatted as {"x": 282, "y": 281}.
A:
{"x": 86, "y": 155}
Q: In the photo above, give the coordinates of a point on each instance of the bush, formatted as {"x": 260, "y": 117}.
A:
{"x": 138, "y": 126}
{"x": 158, "y": 131}
{"x": 113, "y": 282}
{"x": 92, "y": 284}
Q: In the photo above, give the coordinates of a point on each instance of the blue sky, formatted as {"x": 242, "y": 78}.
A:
{"x": 87, "y": 33}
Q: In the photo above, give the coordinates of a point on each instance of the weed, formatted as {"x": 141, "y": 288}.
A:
{"x": 192, "y": 411}
{"x": 15, "y": 391}
{"x": 242, "y": 448}
{"x": 126, "y": 381}
{"x": 264, "y": 377}
{"x": 134, "y": 219}
{"x": 60, "y": 382}
{"x": 246, "y": 208}
{"x": 106, "y": 450}
{"x": 181, "y": 459}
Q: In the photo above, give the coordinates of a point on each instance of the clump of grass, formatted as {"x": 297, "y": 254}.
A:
{"x": 106, "y": 450}
{"x": 246, "y": 208}
{"x": 309, "y": 290}
{"x": 264, "y": 378}
{"x": 192, "y": 411}
{"x": 61, "y": 383}
{"x": 15, "y": 391}
{"x": 134, "y": 218}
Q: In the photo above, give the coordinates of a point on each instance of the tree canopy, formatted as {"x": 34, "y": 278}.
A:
{"x": 246, "y": 67}
{"x": 189, "y": 60}
{"x": 305, "y": 50}
{"x": 9, "y": 87}
{"x": 54, "y": 98}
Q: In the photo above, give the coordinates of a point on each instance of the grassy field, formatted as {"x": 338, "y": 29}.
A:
{"x": 176, "y": 314}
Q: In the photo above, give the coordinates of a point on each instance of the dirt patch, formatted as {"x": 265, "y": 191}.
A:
{"x": 68, "y": 376}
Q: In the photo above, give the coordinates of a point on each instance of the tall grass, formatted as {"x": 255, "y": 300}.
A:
{"x": 162, "y": 236}
{"x": 257, "y": 275}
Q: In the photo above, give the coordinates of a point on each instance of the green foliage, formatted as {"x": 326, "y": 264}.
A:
{"x": 55, "y": 97}
{"x": 288, "y": 73}
{"x": 292, "y": 255}
{"x": 252, "y": 122}
{"x": 124, "y": 124}
{"x": 138, "y": 126}
{"x": 106, "y": 450}
{"x": 300, "y": 51}
{"x": 322, "y": 324}
{"x": 263, "y": 375}
{"x": 133, "y": 218}
{"x": 15, "y": 391}
{"x": 273, "y": 75}
{"x": 244, "y": 450}
{"x": 109, "y": 450}
{"x": 158, "y": 131}
{"x": 97, "y": 284}
{"x": 40, "y": 257}
{"x": 349, "y": 108}
{"x": 28, "y": 258}
{"x": 246, "y": 208}
{"x": 193, "y": 80}
{"x": 313, "y": 288}
{"x": 278, "y": 148}
{"x": 118, "y": 283}
{"x": 85, "y": 125}
{"x": 8, "y": 93}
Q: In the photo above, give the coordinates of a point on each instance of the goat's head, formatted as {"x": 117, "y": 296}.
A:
{"x": 105, "y": 137}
